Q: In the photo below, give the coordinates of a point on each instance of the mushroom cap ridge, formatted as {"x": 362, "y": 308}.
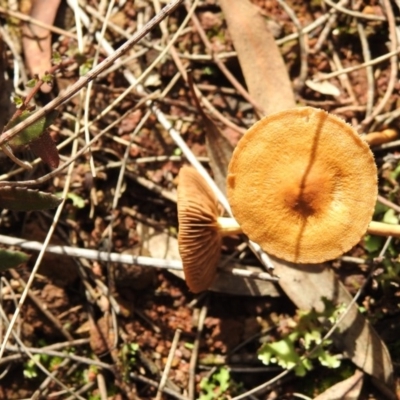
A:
{"x": 198, "y": 239}
{"x": 303, "y": 185}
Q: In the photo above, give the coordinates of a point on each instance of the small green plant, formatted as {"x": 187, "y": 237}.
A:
{"x": 307, "y": 333}
{"x": 129, "y": 353}
{"x": 30, "y": 367}
{"x": 216, "y": 386}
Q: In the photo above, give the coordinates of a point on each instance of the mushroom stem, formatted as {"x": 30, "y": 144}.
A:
{"x": 228, "y": 226}
{"x": 382, "y": 229}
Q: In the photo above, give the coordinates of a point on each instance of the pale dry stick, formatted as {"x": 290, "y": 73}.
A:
{"x": 114, "y": 257}
{"x": 314, "y": 25}
{"x": 124, "y": 162}
{"x": 56, "y": 346}
{"x": 18, "y": 62}
{"x": 29, "y": 353}
{"x": 195, "y": 352}
{"x": 374, "y": 61}
{"x": 302, "y": 44}
{"x": 343, "y": 78}
{"x": 323, "y": 37}
{"x": 90, "y": 85}
{"x": 73, "y": 4}
{"x": 13, "y": 296}
{"x": 394, "y": 68}
{"x": 123, "y": 62}
{"x": 34, "y": 21}
{"x": 147, "y": 160}
{"x": 126, "y": 33}
{"x": 388, "y": 203}
{"x": 228, "y": 74}
{"x": 84, "y": 80}
{"x": 154, "y": 159}
{"x": 85, "y": 388}
{"x": 163, "y": 24}
{"x": 369, "y": 70}
{"x": 55, "y": 353}
{"x": 101, "y": 384}
{"x": 170, "y": 359}
{"x": 150, "y": 382}
{"x": 39, "y": 304}
{"x": 355, "y": 14}
{"x": 93, "y": 254}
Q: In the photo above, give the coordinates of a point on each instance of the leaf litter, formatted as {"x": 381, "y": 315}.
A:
{"x": 148, "y": 308}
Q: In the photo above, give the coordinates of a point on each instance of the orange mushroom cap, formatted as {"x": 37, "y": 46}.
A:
{"x": 199, "y": 239}
{"x": 303, "y": 185}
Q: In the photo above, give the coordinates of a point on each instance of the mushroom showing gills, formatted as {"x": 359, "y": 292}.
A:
{"x": 200, "y": 229}
{"x": 303, "y": 185}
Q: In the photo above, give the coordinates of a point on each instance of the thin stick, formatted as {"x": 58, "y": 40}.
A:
{"x": 374, "y": 61}
{"x": 118, "y": 258}
{"x": 195, "y": 352}
{"x": 34, "y": 21}
{"x": 369, "y": 70}
{"x": 150, "y": 382}
{"x": 167, "y": 368}
{"x": 393, "y": 65}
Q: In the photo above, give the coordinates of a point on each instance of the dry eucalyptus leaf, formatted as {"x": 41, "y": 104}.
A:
{"x": 260, "y": 59}
{"x": 323, "y": 87}
{"x": 349, "y": 389}
{"x": 36, "y": 40}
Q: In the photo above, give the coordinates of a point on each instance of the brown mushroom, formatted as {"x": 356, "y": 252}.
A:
{"x": 303, "y": 185}
{"x": 200, "y": 229}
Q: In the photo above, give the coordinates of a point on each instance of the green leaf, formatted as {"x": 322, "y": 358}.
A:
{"x": 18, "y": 101}
{"x": 373, "y": 243}
{"x": 11, "y": 259}
{"x": 284, "y": 354}
{"x": 31, "y": 83}
{"x": 23, "y": 199}
{"x": 390, "y": 217}
{"x": 328, "y": 360}
{"x": 85, "y": 67}
{"x": 56, "y": 58}
{"x": 77, "y": 201}
{"x": 33, "y": 131}
{"x": 48, "y": 78}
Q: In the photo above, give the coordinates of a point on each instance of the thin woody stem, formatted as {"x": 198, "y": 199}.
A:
{"x": 229, "y": 226}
